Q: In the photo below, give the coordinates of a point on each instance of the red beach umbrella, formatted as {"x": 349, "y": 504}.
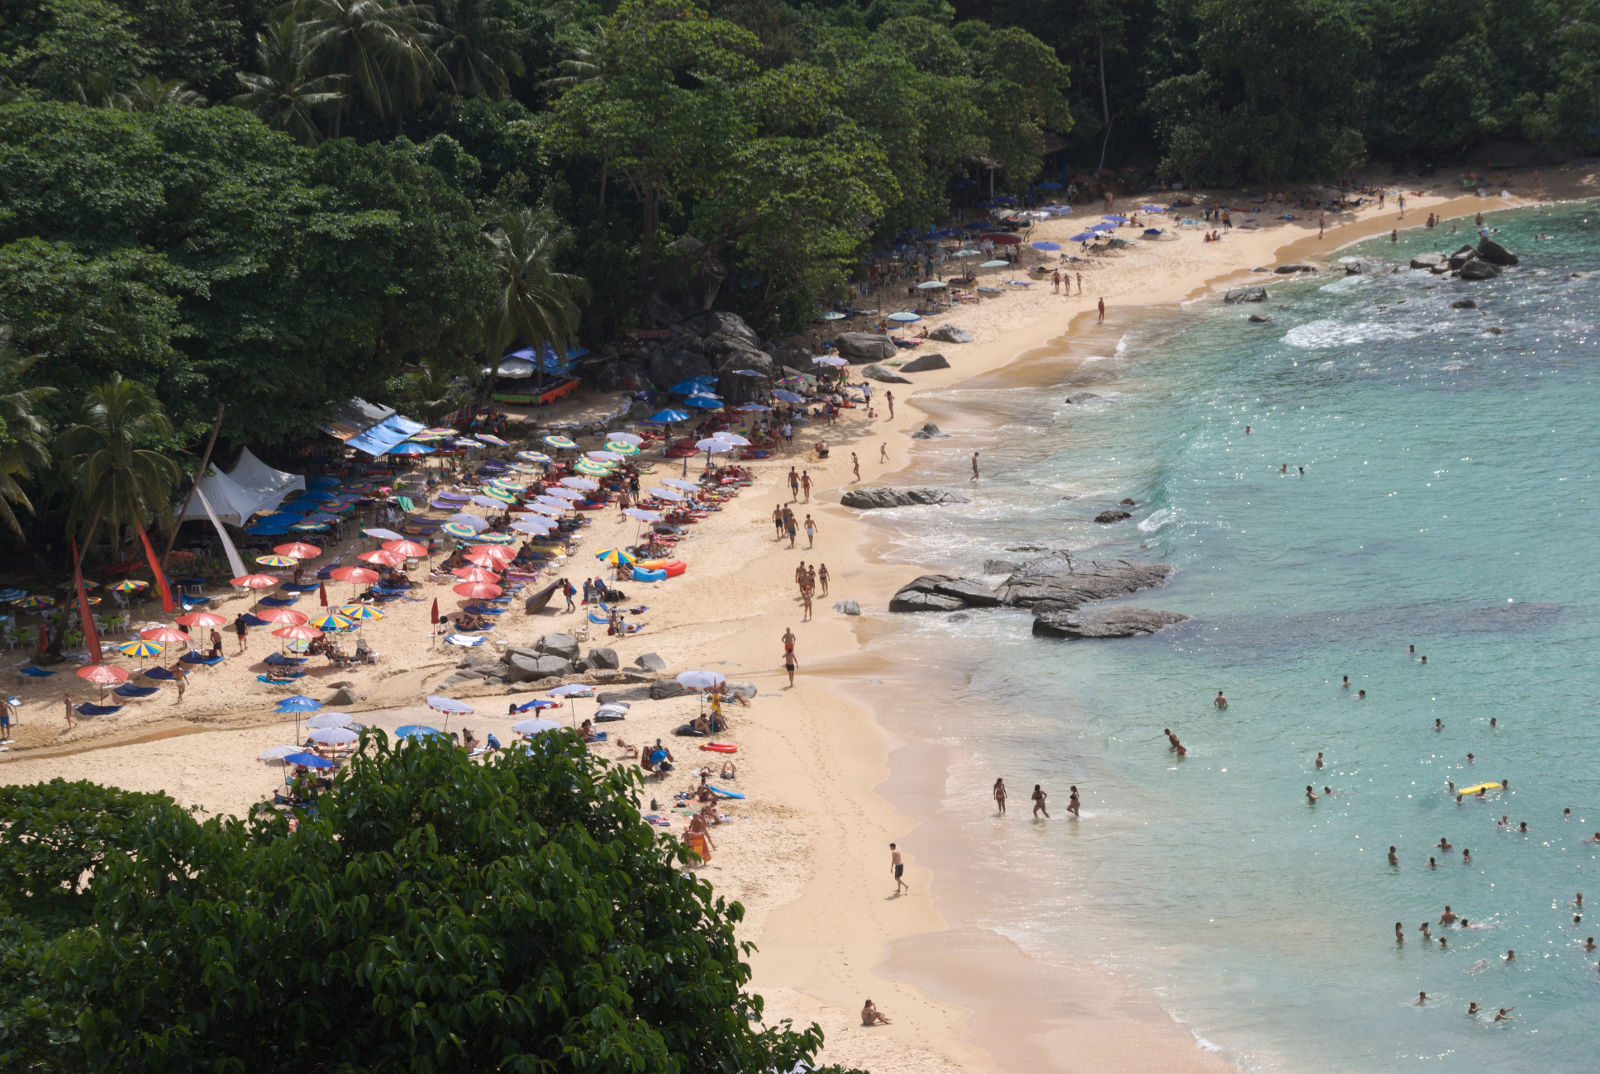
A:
{"x": 103, "y": 674}
{"x": 475, "y": 574}
{"x": 358, "y": 575}
{"x": 281, "y": 615}
{"x": 297, "y": 632}
{"x": 201, "y": 619}
{"x": 164, "y": 635}
{"x": 409, "y": 549}
{"x": 254, "y": 581}
{"x": 383, "y": 557}
{"x": 477, "y": 590}
{"x": 486, "y": 556}
{"x": 434, "y": 615}
{"x": 322, "y": 593}
{"x": 298, "y": 550}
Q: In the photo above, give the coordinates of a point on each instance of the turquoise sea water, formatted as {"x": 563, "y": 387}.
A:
{"x": 1450, "y": 500}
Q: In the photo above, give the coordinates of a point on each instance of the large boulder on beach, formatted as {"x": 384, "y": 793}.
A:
{"x": 1459, "y": 258}
{"x": 858, "y": 347}
{"x": 650, "y": 662}
{"x": 942, "y": 593}
{"x": 922, "y": 363}
{"x": 1479, "y": 269}
{"x": 1496, "y": 254}
{"x": 873, "y": 498}
{"x": 523, "y": 667}
{"x": 883, "y": 374}
{"x": 847, "y": 607}
{"x": 1050, "y": 621}
{"x": 929, "y": 431}
{"x": 1427, "y": 261}
{"x": 601, "y": 657}
{"x": 342, "y": 698}
{"x": 562, "y": 645}
{"x": 665, "y": 688}
{"x": 949, "y": 333}
{"x": 1068, "y": 581}
{"x": 1245, "y": 294}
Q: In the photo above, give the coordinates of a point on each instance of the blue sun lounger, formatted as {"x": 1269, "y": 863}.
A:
{"x": 127, "y": 689}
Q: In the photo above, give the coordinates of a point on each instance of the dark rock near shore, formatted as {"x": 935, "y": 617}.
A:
{"x": 562, "y": 645}
{"x": 929, "y": 431}
{"x": 949, "y": 333}
{"x": 1120, "y": 622}
{"x": 664, "y": 688}
{"x": 1358, "y": 267}
{"x": 870, "y": 499}
{"x": 1080, "y": 398}
{"x": 601, "y": 657}
{"x": 1128, "y": 501}
{"x": 1245, "y": 294}
{"x": 650, "y": 662}
{"x": 1260, "y": 318}
{"x": 1110, "y": 515}
{"x": 1496, "y": 254}
{"x": 1460, "y": 257}
{"x": 1427, "y": 261}
{"x": 1463, "y": 304}
{"x": 1072, "y": 582}
{"x": 858, "y": 347}
{"x": 1478, "y": 269}
{"x": 922, "y": 363}
{"x": 874, "y": 371}
{"x": 943, "y": 593}
{"x": 847, "y": 607}
{"x": 1290, "y": 270}
{"x": 1000, "y": 566}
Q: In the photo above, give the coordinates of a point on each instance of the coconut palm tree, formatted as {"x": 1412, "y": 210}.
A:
{"x": 534, "y": 303}
{"x": 285, "y": 93}
{"x": 23, "y": 446}
{"x": 432, "y": 391}
{"x": 376, "y": 45}
{"x": 120, "y": 479}
{"x": 155, "y": 94}
{"x": 475, "y": 46}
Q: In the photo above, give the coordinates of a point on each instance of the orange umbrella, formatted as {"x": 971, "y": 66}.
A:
{"x": 475, "y": 574}
{"x": 298, "y": 550}
{"x": 477, "y": 590}
{"x": 407, "y": 548}
{"x": 297, "y": 632}
{"x": 200, "y": 619}
{"x": 358, "y": 575}
{"x": 282, "y": 615}
{"x": 254, "y": 581}
{"x": 487, "y": 556}
{"x": 383, "y": 557}
{"x": 103, "y": 674}
{"x": 165, "y": 635}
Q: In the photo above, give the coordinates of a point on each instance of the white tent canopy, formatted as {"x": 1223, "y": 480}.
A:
{"x": 252, "y": 486}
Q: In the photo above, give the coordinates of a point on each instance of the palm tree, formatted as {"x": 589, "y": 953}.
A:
{"x": 431, "y": 391}
{"x": 22, "y": 439}
{"x": 375, "y": 44}
{"x": 475, "y": 46}
{"x": 535, "y": 303}
{"x": 154, "y": 94}
{"x": 119, "y": 480}
{"x": 285, "y": 93}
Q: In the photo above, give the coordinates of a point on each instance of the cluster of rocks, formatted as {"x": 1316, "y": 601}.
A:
{"x": 1468, "y": 263}
{"x": 874, "y": 498}
{"x": 549, "y": 660}
{"x": 1054, "y": 587}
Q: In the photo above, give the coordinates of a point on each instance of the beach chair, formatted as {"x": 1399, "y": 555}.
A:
{"x": 159, "y": 674}
{"x": 87, "y": 709}
{"x": 128, "y": 689}
{"x": 32, "y": 672}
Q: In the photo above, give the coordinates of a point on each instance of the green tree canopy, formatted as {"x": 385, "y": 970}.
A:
{"x": 436, "y": 914}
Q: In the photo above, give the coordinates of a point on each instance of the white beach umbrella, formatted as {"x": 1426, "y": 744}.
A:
{"x": 534, "y": 726}
{"x": 333, "y": 736}
{"x": 701, "y": 680}
{"x": 680, "y": 483}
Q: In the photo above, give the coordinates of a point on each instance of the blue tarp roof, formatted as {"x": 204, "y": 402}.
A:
{"x": 385, "y": 435}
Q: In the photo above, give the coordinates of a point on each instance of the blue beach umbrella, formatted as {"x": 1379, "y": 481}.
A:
{"x": 1114, "y": 216}
{"x": 309, "y": 760}
{"x": 703, "y": 402}
{"x": 668, "y": 416}
{"x": 298, "y": 703}
{"x": 1046, "y": 245}
{"x": 1085, "y": 236}
{"x": 410, "y": 447}
{"x": 416, "y": 730}
{"x": 787, "y": 396}
{"x": 693, "y": 385}
{"x": 904, "y": 317}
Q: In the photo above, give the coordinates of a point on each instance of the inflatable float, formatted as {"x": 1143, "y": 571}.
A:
{"x": 1480, "y": 787}
{"x": 671, "y": 567}
{"x": 720, "y": 793}
{"x": 720, "y": 747}
{"x": 642, "y": 575}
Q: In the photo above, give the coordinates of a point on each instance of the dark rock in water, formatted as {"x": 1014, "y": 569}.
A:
{"x": 1073, "y": 582}
{"x": 1427, "y": 260}
{"x": 883, "y": 374}
{"x": 1245, "y": 294}
{"x": 1496, "y": 254}
{"x": 1261, "y": 318}
{"x": 1121, "y": 622}
{"x": 999, "y": 566}
{"x": 858, "y": 347}
{"x": 929, "y": 431}
{"x": 1080, "y": 398}
{"x": 1110, "y": 515}
{"x": 924, "y": 362}
{"x": 1463, "y": 304}
{"x": 1461, "y": 257}
{"x": 942, "y": 593}
{"x": 1128, "y": 501}
{"x": 1493, "y": 330}
{"x": 958, "y": 617}
{"x": 868, "y": 499}
{"x": 949, "y": 333}
{"x": 1520, "y": 616}
{"x": 1358, "y": 267}
{"x": 1478, "y": 269}
{"x": 1289, "y": 270}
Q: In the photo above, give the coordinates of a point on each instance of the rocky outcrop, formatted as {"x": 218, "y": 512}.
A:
{"x": 922, "y": 363}
{"x": 949, "y": 333}
{"x": 686, "y": 283}
{"x": 563, "y": 645}
{"x": 1496, "y": 254}
{"x": 1427, "y": 261}
{"x": 1080, "y": 398}
{"x": 600, "y": 657}
{"x": 1479, "y": 269}
{"x": 1260, "y": 318}
{"x": 1463, "y": 304}
{"x": 664, "y": 688}
{"x": 1358, "y": 267}
{"x": 847, "y": 607}
{"x": 1120, "y": 622}
{"x": 1112, "y": 514}
{"x": 1059, "y": 580}
{"x": 1245, "y": 294}
{"x": 523, "y": 666}
{"x": 871, "y": 499}
{"x": 650, "y": 662}
{"x": 929, "y": 431}
{"x": 1290, "y": 270}
{"x": 858, "y": 347}
{"x": 1460, "y": 257}
{"x": 883, "y": 374}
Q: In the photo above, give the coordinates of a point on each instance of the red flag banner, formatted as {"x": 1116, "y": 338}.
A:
{"x": 156, "y": 572}
{"x": 435, "y": 615}
{"x": 91, "y": 636}
{"x": 322, "y": 593}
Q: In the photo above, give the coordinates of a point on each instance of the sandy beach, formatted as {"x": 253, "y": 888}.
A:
{"x": 827, "y": 786}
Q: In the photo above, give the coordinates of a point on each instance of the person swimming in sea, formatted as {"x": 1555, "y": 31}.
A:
{"x": 1394, "y": 859}
{"x": 1311, "y": 796}
{"x": 1448, "y": 917}
{"x": 1220, "y": 701}
{"x": 1444, "y": 844}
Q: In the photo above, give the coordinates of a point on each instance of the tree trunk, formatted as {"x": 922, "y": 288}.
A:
{"x": 205, "y": 461}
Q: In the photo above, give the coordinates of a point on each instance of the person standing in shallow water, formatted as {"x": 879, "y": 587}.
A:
{"x": 1000, "y": 795}
{"x": 1220, "y": 702}
{"x": 1038, "y": 801}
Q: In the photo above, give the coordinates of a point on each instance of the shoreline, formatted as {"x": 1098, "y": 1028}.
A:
{"x": 830, "y": 783}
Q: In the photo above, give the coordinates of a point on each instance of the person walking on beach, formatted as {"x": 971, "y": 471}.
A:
{"x": 883, "y": 451}
{"x": 805, "y": 484}
{"x": 974, "y": 476}
{"x": 794, "y": 484}
{"x": 805, "y": 605}
{"x": 789, "y": 663}
{"x": 242, "y": 632}
{"x": 1055, "y": 282}
{"x": 811, "y": 531}
{"x": 71, "y": 723}
{"x": 791, "y": 527}
{"x": 1000, "y": 796}
{"x": 569, "y": 592}
{"x": 1080, "y": 283}
{"x": 777, "y": 524}
{"x": 180, "y": 678}
{"x": 855, "y": 466}
{"x": 822, "y": 578}
{"x": 898, "y": 868}
{"x": 1322, "y": 224}
{"x": 1102, "y": 319}
{"x": 1038, "y": 797}
{"x": 1073, "y": 804}
{"x": 7, "y": 710}
{"x": 888, "y": 398}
